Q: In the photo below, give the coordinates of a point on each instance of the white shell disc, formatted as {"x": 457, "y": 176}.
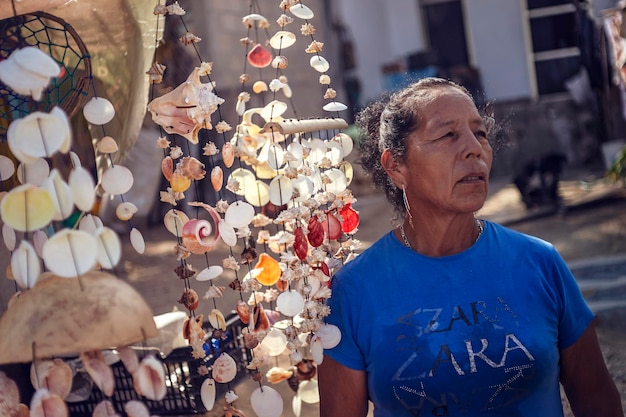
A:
{"x": 90, "y": 224}
{"x": 70, "y": 253}
{"x": 295, "y": 156}
{"x": 125, "y": 211}
{"x": 319, "y": 63}
{"x": 308, "y": 391}
{"x": 174, "y": 221}
{"x": 209, "y": 273}
{"x": 273, "y": 109}
{"x": 99, "y": 111}
{"x": 317, "y": 350}
{"x": 317, "y": 150}
{"x": 296, "y": 405}
{"x": 301, "y": 11}
{"x": 137, "y": 241}
{"x": 83, "y": 188}
{"x": 266, "y": 401}
{"x": 38, "y": 135}
{"x": 245, "y": 178}
{"x": 34, "y": 173}
{"x": 7, "y": 168}
{"x": 280, "y": 190}
{"x": 348, "y": 171}
{"x": 338, "y": 182}
{"x": 346, "y": 143}
{"x": 227, "y": 233}
{"x": 282, "y": 39}
{"x": 39, "y": 240}
{"x": 239, "y": 214}
{"x": 290, "y": 303}
{"x": 224, "y": 368}
{"x": 334, "y": 106}
{"x": 208, "y": 393}
{"x": 61, "y": 194}
{"x": 109, "y": 248}
{"x": 26, "y": 208}
{"x": 117, "y": 180}
{"x": 335, "y": 152}
{"x": 25, "y": 265}
{"x": 35, "y": 60}
{"x": 275, "y": 156}
{"x": 304, "y": 187}
{"x": 258, "y": 195}
{"x": 75, "y": 159}
{"x": 9, "y": 237}
{"x": 330, "y": 335}
{"x": 275, "y": 342}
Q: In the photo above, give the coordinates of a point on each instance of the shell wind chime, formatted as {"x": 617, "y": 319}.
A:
{"x": 283, "y": 206}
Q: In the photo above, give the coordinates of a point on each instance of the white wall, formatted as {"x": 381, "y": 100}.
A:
{"x": 497, "y": 38}
{"x": 383, "y": 31}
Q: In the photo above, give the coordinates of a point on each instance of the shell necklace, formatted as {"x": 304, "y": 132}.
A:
{"x": 481, "y": 228}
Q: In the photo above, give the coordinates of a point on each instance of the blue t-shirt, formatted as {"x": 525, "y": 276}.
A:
{"x": 473, "y": 334}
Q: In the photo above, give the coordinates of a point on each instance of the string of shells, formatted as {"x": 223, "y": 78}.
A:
{"x": 289, "y": 253}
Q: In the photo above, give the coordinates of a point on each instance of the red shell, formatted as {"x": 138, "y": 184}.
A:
{"x": 259, "y": 57}
{"x": 300, "y": 245}
{"x": 316, "y": 232}
{"x": 350, "y": 219}
{"x": 167, "y": 167}
{"x": 332, "y": 226}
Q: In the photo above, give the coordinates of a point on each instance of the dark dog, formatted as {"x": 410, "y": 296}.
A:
{"x": 538, "y": 181}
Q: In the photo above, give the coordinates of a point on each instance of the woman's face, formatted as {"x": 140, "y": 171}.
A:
{"x": 448, "y": 158}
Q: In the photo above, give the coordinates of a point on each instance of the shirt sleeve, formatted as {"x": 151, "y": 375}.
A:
{"x": 347, "y": 352}
{"x": 575, "y": 314}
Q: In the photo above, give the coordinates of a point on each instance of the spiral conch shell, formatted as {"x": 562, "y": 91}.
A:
{"x": 186, "y": 109}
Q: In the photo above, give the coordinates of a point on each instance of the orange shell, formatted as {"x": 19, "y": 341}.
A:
{"x": 228, "y": 154}
{"x": 271, "y": 270}
{"x": 192, "y": 168}
{"x": 179, "y": 182}
{"x": 217, "y": 178}
{"x": 167, "y": 167}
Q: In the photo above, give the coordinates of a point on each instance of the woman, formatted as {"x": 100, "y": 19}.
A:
{"x": 449, "y": 315}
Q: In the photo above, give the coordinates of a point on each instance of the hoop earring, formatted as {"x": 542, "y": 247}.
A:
{"x": 407, "y": 206}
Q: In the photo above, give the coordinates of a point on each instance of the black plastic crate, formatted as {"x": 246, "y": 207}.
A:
{"x": 183, "y": 382}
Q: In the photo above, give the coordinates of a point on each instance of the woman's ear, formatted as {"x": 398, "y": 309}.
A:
{"x": 393, "y": 168}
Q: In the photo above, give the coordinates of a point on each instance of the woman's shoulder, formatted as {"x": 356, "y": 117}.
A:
{"x": 506, "y": 237}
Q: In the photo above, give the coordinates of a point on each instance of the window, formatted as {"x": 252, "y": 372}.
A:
{"x": 445, "y": 30}
{"x": 555, "y": 52}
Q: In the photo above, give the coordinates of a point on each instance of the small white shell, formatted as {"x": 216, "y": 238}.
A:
{"x": 258, "y": 195}
{"x": 75, "y": 159}
{"x": 117, "y": 180}
{"x": 266, "y": 401}
{"x": 317, "y": 350}
{"x": 346, "y": 142}
{"x": 227, "y": 233}
{"x": 309, "y": 392}
{"x": 319, "y": 63}
{"x": 335, "y": 152}
{"x": 137, "y": 241}
{"x": 209, "y": 273}
{"x": 61, "y": 194}
{"x": 301, "y": 11}
{"x": 273, "y": 110}
{"x": 98, "y": 111}
{"x": 39, "y": 240}
{"x": 83, "y": 188}
{"x": 280, "y": 190}
{"x": 304, "y": 187}
{"x": 70, "y": 253}
{"x": 334, "y": 106}
{"x": 26, "y": 208}
{"x": 125, "y": 211}
{"x": 282, "y": 39}
{"x": 174, "y": 221}
{"x": 9, "y": 237}
{"x": 230, "y": 396}
{"x": 149, "y": 379}
{"x": 239, "y": 214}
{"x": 135, "y": 408}
{"x": 330, "y": 335}
{"x": 90, "y": 224}
{"x": 296, "y": 405}
{"x": 7, "y": 168}
{"x": 208, "y": 393}
{"x": 290, "y": 303}
{"x": 34, "y": 173}
{"x": 246, "y": 180}
{"x": 275, "y": 342}
{"x": 338, "y": 182}
{"x": 35, "y": 60}
{"x": 38, "y": 135}
{"x": 109, "y": 248}
{"x": 25, "y": 265}
{"x": 275, "y": 156}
